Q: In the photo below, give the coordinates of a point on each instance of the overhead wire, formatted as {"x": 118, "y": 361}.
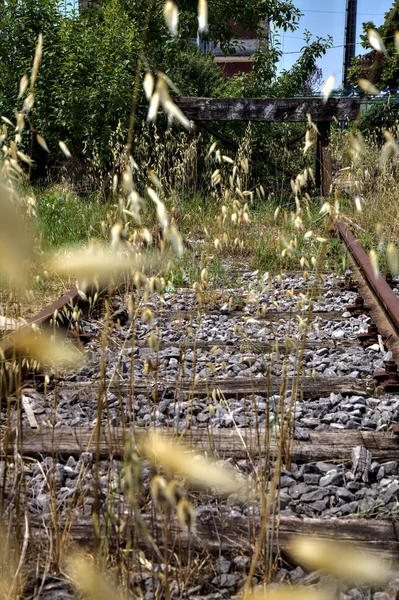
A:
{"x": 339, "y": 12}
{"x": 390, "y": 37}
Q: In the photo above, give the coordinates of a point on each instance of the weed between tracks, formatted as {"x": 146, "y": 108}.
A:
{"x": 138, "y": 513}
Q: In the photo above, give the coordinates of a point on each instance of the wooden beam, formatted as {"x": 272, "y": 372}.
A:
{"x": 254, "y": 345}
{"x": 269, "y": 109}
{"x": 268, "y": 315}
{"x": 233, "y": 387}
{"x": 224, "y": 443}
{"x": 222, "y": 533}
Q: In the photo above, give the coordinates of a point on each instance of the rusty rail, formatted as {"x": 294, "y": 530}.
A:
{"x": 8, "y": 381}
{"x": 44, "y": 317}
{"x": 387, "y": 298}
{"x": 383, "y": 306}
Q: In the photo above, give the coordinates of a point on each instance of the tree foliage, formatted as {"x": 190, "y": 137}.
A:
{"x": 314, "y": 81}
{"x": 264, "y": 80}
{"x": 382, "y": 70}
{"x": 247, "y": 14}
{"x": 85, "y": 84}
{"x": 84, "y": 90}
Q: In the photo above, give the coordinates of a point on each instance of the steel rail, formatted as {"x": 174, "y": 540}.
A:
{"x": 44, "y": 317}
{"x": 54, "y": 312}
{"x": 388, "y": 300}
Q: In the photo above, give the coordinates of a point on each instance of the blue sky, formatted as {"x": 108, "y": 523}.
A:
{"x": 322, "y": 17}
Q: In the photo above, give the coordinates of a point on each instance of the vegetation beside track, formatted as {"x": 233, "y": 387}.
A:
{"x": 230, "y": 213}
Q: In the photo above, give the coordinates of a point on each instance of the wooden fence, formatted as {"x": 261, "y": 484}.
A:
{"x": 282, "y": 110}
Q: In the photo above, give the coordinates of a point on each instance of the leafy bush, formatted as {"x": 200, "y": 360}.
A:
{"x": 381, "y": 69}
{"x": 378, "y": 116}
{"x": 86, "y": 79}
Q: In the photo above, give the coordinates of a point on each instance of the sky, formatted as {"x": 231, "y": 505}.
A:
{"x": 323, "y": 17}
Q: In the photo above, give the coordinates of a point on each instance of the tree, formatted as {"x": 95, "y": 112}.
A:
{"x": 314, "y": 80}
{"x": 85, "y": 85}
{"x": 381, "y": 70}
{"x": 264, "y": 80}
{"x": 248, "y": 14}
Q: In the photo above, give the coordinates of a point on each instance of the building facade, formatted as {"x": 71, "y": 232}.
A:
{"x": 247, "y": 44}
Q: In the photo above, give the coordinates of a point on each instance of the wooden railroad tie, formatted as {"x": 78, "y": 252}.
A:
{"x": 231, "y": 387}
{"x": 237, "y": 443}
{"x": 225, "y": 534}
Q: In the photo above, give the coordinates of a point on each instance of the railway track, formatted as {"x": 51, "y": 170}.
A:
{"x": 287, "y": 375}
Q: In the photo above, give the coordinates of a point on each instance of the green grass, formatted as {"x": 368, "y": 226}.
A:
{"x": 63, "y": 218}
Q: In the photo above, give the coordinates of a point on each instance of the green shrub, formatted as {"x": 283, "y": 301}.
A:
{"x": 85, "y": 85}
{"x": 379, "y": 115}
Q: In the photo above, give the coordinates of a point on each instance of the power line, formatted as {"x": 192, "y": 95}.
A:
{"x": 331, "y": 47}
{"x": 293, "y": 37}
{"x": 339, "y": 12}
{"x": 390, "y": 37}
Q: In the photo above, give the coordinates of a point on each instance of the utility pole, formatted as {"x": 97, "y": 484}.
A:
{"x": 350, "y": 39}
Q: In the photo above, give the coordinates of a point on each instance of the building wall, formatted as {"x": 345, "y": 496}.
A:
{"x": 241, "y": 61}
{"x": 232, "y": 66}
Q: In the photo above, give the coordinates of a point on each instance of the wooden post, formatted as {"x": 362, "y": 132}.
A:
{"x": 323, "y": 159}
{"x": 191, "y": 157}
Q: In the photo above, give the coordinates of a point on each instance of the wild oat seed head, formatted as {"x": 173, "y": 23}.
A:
{"x": 174, "y": 112}
{"x": 158, "y": 491}
{"x": 175, "y": 492}
{"x": 212, "y": 148}
{"x": 23, "y": 85}
{"x": 340, "y": 559}
{"x": 202, "y": 16}
{"x": 153, "y": 177}
{"x": 64, "y": 149}
{"x": 148, "y": 85}
{"x": 147, "y": 316}
{"x": 163, "y": 217}
{"x": 393, "y": 260}
{"x": 368, "y": 87}
{"x": 390, "y": 148}
{"x": 37, "y": 59}
{"x": 309, "y": 142}
{"x": 153, "y": 107}
{"x": 374, "y": 262}
{"x": 376, "y": 41}
{"x": 171, "y": 15}
{"x": 204, "y": 274}
{"x": 173, "y": 235}
{"x": 42, "y": 142}
{"x": 199, "y": 471}
{"x": 328, "y": 87}
{"x": 90, "y": 582}
{"x": 325, "y": 209}
{"x": 186, "y": 514}
{"x": 153, "y": 342}
{"x": 28, "y": 103}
